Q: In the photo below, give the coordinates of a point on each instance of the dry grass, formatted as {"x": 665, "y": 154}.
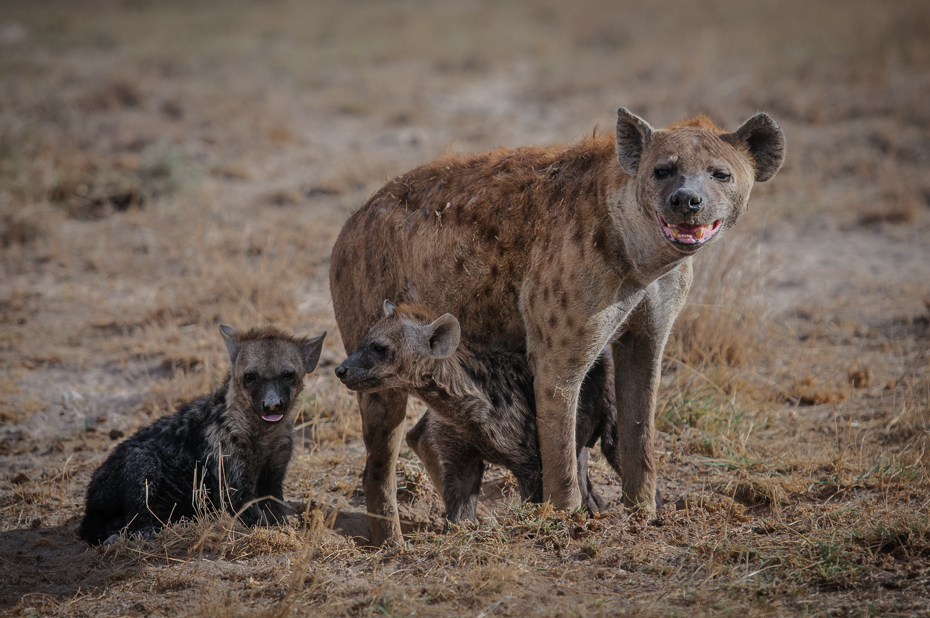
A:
{"x": 168, "y": 167}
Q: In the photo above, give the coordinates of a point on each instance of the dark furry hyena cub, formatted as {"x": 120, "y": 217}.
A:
{"x": 229, "y": 447}
{"x": 481, "y": 405}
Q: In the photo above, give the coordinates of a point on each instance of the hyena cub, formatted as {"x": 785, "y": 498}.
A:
{"x": 481, "y": 405}
{"x": 230, "y": 447}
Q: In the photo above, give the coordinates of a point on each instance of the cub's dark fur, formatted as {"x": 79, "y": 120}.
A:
{"x": 225, "y": 449}
{"x": 481, "y": 405}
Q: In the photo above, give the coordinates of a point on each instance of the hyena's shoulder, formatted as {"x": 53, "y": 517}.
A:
{"x": 182, "y": 434}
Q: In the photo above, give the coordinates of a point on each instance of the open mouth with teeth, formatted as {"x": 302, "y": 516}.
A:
{"x": 272, "y": 418}
{"x": 688, "y": 234}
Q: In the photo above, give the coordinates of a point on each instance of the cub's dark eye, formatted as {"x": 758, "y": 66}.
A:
{"x": 249, "y": 377}
{"x": 662, "y": 172}
{"x": 721, "y": 175}
{"x": 378, "y": 349}
{"x": 288, "y": 375}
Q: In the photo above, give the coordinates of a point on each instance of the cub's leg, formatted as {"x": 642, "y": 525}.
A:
{"x": 419, "y": 442}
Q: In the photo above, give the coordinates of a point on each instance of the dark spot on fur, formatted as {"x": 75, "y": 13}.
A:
{"x": 600, "y": 243}
{"x": 564, "y": 300}
{"x": 546, "y": 294}
{"x": 376, "y": 477}
{"x": 495, "y": 271}
{"x": 577, "y": 235}
{"x": 385, "y": 433}
{"x": 460, "y": 266}
{"x": 490, "y": 234}
{"x": 553, "y": 321}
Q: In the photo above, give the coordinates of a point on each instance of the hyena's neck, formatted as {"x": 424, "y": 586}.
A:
{"x": 445, "y": 385}
{"x": 639, "y": 250}
{"x": 237, "y": 415}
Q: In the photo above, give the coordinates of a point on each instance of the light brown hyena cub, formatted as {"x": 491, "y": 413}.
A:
{"x": 232, "y": 445}
{"x": 481, "y": 405}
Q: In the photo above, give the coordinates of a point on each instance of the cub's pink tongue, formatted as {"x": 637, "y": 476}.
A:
{"x": 272, "y": 418}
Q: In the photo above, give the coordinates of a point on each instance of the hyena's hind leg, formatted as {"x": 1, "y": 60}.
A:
{"x": 118, "y": 498}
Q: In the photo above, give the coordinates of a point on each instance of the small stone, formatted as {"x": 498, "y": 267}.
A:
{"x": 116, "y": 434}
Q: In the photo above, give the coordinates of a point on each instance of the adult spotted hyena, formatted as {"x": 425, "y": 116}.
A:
{"x": 481, "y": 405}
{"x": 228, "y": 449}
{"x": 557, "y": 252}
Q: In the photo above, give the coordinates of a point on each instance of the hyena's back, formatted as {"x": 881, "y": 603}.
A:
{"x": 149, "y": 479}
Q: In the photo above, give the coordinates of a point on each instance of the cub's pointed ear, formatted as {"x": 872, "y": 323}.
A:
{"x": 443, "y": 336}
{"x": 232, "y": 343}
{"x": 388, "y": 307}
{"x": 633, "y": 133}
{"x": 310, "y": 352}
{"x": 765, "y": 141}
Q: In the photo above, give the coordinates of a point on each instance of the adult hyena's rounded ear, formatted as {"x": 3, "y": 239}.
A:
{"x": 310, "y": 352}
{"x": 232, "y": 343}
{"x": 633, "y": 133}
{"x": 388, "y": 308}
{"x": 765, "y": 141}
{"x": 443, "y": 336}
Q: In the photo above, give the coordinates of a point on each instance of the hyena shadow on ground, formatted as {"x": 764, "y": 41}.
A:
{"x": 53, "y": 560}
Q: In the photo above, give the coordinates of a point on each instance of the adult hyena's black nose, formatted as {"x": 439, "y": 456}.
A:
{"x": 341, "y": 371}
{"x": 686, "y": 200}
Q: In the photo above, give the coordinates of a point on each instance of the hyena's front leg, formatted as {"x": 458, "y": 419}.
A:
{"x": 271, "y": 490}
{"x": 237, "y": 494}
{"x": 420, "y": 440}
{"x": 556, "y": 401}
{"x": 638, "y": 364}
{"x": 382, "y": 423}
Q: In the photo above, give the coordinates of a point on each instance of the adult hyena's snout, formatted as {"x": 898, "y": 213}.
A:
{"x": 686, "y": 201}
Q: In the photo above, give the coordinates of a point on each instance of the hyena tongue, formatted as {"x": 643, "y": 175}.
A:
{"x": 272, "y": 418}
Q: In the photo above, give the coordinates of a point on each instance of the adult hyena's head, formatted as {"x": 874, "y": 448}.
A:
{"x": 268, "y": 368}
{"x": 692, "y": 179}
{"x": 399, "y": 349}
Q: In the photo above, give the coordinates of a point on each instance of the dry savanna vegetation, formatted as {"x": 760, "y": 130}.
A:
{"x": 166, "y": 167}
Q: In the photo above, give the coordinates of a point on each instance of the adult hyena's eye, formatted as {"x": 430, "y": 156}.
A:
{"x": 288, "y": 375}
{"x": 721, "y": 175}
{"x": 379, "y": 350}
{"x": 662, "y": 173}
{"x": 249, "y": 378}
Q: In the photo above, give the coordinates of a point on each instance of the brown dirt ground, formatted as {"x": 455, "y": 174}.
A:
{"x": 168, "y": 166}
